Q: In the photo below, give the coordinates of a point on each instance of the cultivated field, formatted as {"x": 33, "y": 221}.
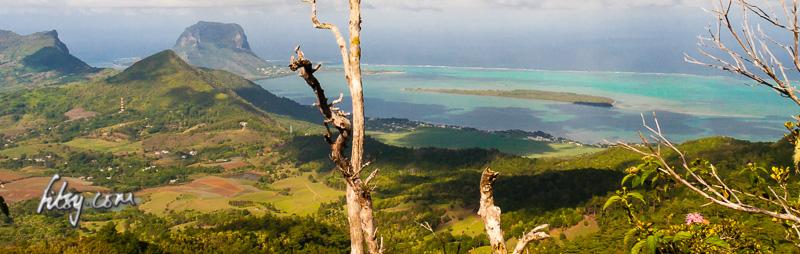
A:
{"x": 202, "y": 139}
{"x": 105, "y": 145}
{"x": 211, "y": 193}
{"x": 34, "y": 147}
{"x": 32, "y": 187}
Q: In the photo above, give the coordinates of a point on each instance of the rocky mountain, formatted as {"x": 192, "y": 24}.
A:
{"x": 224, "y": 47}
{"x": 39, "y": 58}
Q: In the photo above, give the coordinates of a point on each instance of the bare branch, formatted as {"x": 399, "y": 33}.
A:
{"x": 332, "y": 116}
{"x": 771, "y": 72}
{"x": 371, "y": 176}
{"x": 336, "y": 34}
{"x": 535, "y": 234}
{"x": 358, "y": 195}
{"x": 427, "y": 226}
{"x": 701, "y": 187}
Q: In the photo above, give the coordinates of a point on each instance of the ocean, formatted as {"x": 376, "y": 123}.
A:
{"x": 687, "y": 106}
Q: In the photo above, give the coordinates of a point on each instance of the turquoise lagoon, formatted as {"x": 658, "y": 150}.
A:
{"x": 687, "y": 106}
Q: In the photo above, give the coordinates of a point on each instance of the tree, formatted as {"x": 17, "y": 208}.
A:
{"x": 490, "y": 215}
{"x": 753, "y": 56}
{"x": 358, "y": 192}
{"x": 4, "y": 209}
{"x": 754, "y": 47}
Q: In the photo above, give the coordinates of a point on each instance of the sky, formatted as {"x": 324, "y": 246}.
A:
{"x": 593, "y": 35}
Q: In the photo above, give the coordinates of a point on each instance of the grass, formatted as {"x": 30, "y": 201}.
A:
{"x": 160, "y": 203}
{"x": 11, "y": 128}
{"x": 304, "y": 198}
{"x": 473, "y": 226}
{"x": 34, "y": 148}
{"x": 105, "y": 145}
{"x": 566, "y": 150}
{"x": 462, "y": 139}
{"x": 470, "y": 225}
{"x": 585, "y": 227}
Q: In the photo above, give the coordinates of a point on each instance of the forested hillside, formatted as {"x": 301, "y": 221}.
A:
{"x": 38, "y": 59}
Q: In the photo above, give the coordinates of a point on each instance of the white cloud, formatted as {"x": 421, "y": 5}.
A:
{"x": 134, "y": 7}
{"x": 591, "y": 4}
{"x": 89, "y": 4}
{"x": 167, "y": 3}
{"x": 411, "y": 5}
{"x": 530, "y": 4}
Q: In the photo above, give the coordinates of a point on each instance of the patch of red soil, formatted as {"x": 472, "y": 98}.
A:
{"x": 78, "y": 114}
{"x": 234, "y": 165}
{"x": 30, "y": 188}
{"x": 218, "y": 185}
{"x": 209, "y": 184}
{"x": 8, "y": 176}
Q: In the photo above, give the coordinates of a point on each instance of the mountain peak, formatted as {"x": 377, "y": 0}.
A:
{"x": 220, "y": 35}
{"x": 6, "y": 33}
{"x": 53, "y": 35}
{"x": 222, "y": 46}
{"x": 161, "y": 64}
{"x": 39, "y": 53}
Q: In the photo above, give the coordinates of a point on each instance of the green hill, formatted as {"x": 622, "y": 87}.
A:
{"x": 164, "y": 79}
{"x": 160, "y": 103}
{"x": 224, "y": 47}
{"x": 155, "y": 68}
{"x": 163, "y": 91}
{"x": 39, "y": 58}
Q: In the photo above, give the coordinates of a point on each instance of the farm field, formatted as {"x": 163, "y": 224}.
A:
{"x": 212, "y": 193}
{"x": 7, "y": 176}
{"x": 586, "y": 226}
{"x": 33, "y": 148}
{"x": 26, "y": 188}
{"x": 233, "y": 163}
{"x": 198, "y": 140}
{"x": 105, "y": 145}
{"x": 470, "y": 225}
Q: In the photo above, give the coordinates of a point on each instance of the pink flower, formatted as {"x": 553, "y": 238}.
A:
{"x": 695, "y": 218}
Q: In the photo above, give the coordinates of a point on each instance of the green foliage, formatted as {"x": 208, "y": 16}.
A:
{"x": 137, "y": 232}
{"x": 30, "y": 229}
{"x": 54, "y": 59}
{"x": 694, "y": 236}
{"x": 723, "y": 237}
{"x": 37, "y": 60}
{"x": 164, "y": 98}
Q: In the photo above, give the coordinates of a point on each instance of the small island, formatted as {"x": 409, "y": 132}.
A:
{"x": 580, "y": 99}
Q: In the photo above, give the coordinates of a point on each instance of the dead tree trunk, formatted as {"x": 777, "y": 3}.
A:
{"x": 490, "y": 214}
{"x": 358, "y": 193}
